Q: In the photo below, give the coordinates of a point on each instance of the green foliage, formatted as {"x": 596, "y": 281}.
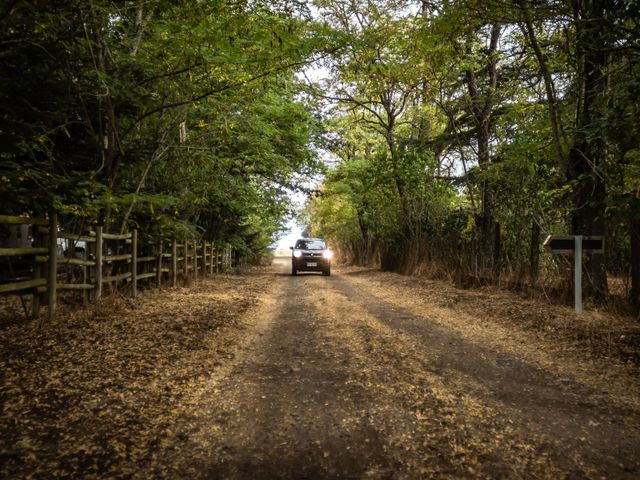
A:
{"x": 458, "y": 130}
{"x": 462, "y": 129}
{"x": 94, "y": 96}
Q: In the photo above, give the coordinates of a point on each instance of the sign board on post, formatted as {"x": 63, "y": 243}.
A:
{"x": 575, "y": 244}
{"x": 567, "y": 243}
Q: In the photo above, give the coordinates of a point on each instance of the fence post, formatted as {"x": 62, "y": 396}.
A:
{"x": 204, "y": 259}
{"x": 174, "y": 262}
{"x": 134, "y": 263}
{"x": 195, "y": 259}
{"x": 159, "y": 272}
{"x": 223, "y": 261}
{"x": 53, "y": 264}
{"x": 205, "y": 255}
{"x": 211, "y": 258}
{"x": 37, "y": 273}
{"x": 98, "y": 287}
{"x": 185, "y": 259}
{"x": 85, "y": 276}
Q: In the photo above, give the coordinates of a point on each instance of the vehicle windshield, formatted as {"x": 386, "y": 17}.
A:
{"x": 310, "y": 245}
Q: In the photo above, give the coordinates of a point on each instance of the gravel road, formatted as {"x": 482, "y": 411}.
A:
{"x": 337, "y": 377}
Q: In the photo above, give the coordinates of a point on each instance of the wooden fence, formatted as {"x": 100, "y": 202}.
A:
{"x": 108, "y": 259}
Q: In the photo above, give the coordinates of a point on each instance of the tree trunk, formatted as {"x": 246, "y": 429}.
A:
{"x": 364, "y": 250}
{"x": 482, "y": 103}
{"x": 634, "y": 230}
{"x": 534, "y": 253}
{"x": 586, "y": 156}
{"x": 389, "y": 258}
{"x": 552, "y": 104}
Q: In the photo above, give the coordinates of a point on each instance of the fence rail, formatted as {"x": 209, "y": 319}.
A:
{"x": 109, "y": 258}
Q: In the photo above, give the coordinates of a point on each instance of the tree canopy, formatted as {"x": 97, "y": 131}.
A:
{"x": 181, "y": 116}
{"x": 467, "y": 130}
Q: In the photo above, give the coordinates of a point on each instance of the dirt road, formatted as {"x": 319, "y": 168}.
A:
{"x": 359, "y": 375}
{"x": 336, "y": 378}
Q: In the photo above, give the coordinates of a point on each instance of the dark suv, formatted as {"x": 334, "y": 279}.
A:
{"x": 311, "y": 255}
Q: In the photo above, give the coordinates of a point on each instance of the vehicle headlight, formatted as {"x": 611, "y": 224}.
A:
{"x": 297, "y": 253}
{"x": 328, "y": 254}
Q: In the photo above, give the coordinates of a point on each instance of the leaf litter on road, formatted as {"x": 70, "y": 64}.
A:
{"x": 98, "y": 390}
{"x": 233, "y": 376}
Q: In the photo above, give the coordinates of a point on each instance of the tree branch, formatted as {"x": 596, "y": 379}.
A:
{"x": 221, "y": 89}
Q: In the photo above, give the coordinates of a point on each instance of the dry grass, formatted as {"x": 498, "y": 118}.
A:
{"x": 598, "y": 347}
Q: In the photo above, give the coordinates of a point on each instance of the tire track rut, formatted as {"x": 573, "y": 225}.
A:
{"x": 330, "y": 381}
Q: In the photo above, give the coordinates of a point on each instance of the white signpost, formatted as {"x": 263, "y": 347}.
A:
{"x": 575, "y": 244}
{"x": 577, "y": 273}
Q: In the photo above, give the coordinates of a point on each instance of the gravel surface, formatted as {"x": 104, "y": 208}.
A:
{"x": 358, "y": 375}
